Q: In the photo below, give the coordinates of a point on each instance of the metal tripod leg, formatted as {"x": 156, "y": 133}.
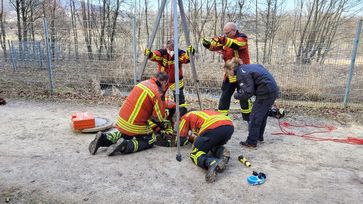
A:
{"x": 151, "y": 40}
{"x": 187, "y": 39}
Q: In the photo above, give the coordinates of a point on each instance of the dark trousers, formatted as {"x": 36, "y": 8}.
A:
{"x": 181, "y": 96}
{"x": 138, "y": 143}
{"x": 208, "y": 141}
{"x": 258, "y": 119}
{"x": 225, "y": 100}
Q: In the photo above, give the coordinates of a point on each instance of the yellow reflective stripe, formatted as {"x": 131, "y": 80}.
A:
{"x": 200, "y": 153}
{"x": 237, "y": 42}
{"x": 232, "y": 79}
{"x": 136, "y": 144}
{"x": 181, "y": 85}
{"x": 168, "y": 62}
{"x": 201, "y": 114}
{"x": 229, "y": 42}
{"x": 249, "y": 109}
{"x": 153, "y": 139}
{"x": 194, "y": 158}
{"x": 162, "y": 69}
{"x": 151, "y": 123}
{"x": 182, "y": 123}
{"x": 136, "y": 129}
{"x": 156, "y": 57}
{"x": 224, "y": 112}
{"x": 143, "y": 87}
{"x": 137, "y": 108}
{"x": 213, "y": 119}
{"x": 158, "y": 112}
{"x": 183, "y": 105}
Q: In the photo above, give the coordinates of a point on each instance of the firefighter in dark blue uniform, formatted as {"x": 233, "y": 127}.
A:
{"x": 254, "y": 80}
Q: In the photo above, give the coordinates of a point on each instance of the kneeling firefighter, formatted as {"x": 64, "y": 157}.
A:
{"x": 212, "y": 130}
{"x": 145, "y": 102}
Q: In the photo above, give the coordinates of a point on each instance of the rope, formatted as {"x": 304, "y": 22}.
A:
{"x": 325, "y": 129}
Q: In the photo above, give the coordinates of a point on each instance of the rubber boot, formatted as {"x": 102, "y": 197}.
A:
{"x": 224, "y": 154}
{"x": 99, "y": 141}
{"x": 119, "y": 146}
{"x": 212, "y": 164}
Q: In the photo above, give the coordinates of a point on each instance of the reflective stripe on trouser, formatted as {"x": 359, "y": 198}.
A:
{"x": 199, "y": 158}
{"x": 246, "y": 108}
{"x": 225, "y": 99}
{"x": 207, "y": 141}
{"x": 202, "y": 159}
{"x": 139, "y": 143}
{"x": 114, "y": 136}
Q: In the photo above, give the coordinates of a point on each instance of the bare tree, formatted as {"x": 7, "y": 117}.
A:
{"x": 200, "y": 14}
{"x": 86, "y": 23}
{"x": 318, "y": 29}
{"x": 271, "y": 17}
{"x": 2, "y": 32}
{"x": 74, "y": 27}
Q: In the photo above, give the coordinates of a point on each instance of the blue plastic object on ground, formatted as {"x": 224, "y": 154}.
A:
{"x": 255, "y": 180}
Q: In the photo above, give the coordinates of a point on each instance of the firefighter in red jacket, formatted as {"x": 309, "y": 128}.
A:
{"x": 165, "y": 60}
{"x": 233, "y": 44}
{"x": 145, "y": 102}
{"x": 212, "y": 130}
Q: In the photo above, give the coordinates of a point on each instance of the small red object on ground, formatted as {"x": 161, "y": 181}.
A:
{"x": 83, "y": 120}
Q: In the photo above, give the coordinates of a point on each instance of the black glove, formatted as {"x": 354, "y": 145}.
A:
{"x": 206, "y": 43}
{"x": 191, "y": 50}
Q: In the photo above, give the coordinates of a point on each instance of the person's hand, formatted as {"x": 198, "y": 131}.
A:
{"x": 148, "y": 53}
{"x": 191, "y": 50}
{"x": 214, "y": 42}
{"x": 222, "y": 40}
{"x": 206, "y": 43}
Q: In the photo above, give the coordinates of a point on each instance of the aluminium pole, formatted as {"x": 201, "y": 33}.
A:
{"x": 352, "y": 63}
{"x": 151, "y": 40}
{"x": 187, "y": 39}
{"x": 176, "y": 74}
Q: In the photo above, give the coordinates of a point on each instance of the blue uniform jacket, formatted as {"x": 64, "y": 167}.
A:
{"x": 254, "y": 79}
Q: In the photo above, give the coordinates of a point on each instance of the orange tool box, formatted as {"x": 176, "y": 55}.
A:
{"x": 83, "y": 120}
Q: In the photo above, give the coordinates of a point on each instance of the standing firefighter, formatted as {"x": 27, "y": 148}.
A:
{"x": 254, "y": 80}
{"x": 233, "y": 44}
{"x": 165, "y": 59}
{"x": 213, "y": 130}
{"x": 145, "y": 102}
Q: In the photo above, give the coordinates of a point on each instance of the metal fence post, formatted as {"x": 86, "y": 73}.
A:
{"x": 352, "y": 62}
{"x": 11, "y": 49}
{"x": 50, "y": 74}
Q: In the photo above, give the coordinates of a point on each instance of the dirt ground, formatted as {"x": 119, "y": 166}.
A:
{"x": 43, "y": 161}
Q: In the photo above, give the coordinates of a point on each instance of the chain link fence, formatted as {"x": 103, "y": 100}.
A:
{"x": 75, "y": 59}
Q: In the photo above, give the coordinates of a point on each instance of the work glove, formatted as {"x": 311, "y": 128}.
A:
{"x": 218, "y": 40}
{"x": 148, "y": 53}
{"x": 206, "y": 43}
{"x": 191, "y": 50}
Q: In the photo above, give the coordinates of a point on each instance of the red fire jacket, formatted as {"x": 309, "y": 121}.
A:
{"x": 143, "y": 103}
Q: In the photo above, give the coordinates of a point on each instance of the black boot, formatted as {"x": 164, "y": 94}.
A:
{"x": 119, "y": 146}
{"x": 224, "y": 154}
{"x": 99, "y": 141}
{"x": 212, "y": 164}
